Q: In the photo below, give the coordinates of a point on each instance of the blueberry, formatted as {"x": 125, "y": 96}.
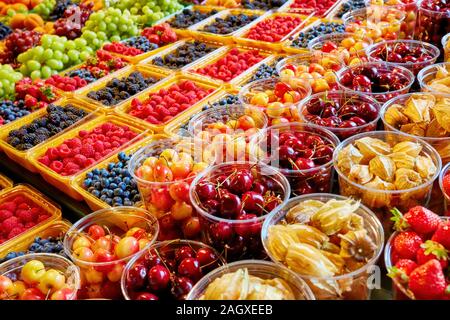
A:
{"x": 303, "y": 38}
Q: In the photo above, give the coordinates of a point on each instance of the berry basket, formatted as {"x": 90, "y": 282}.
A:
{"x": 227, "y": 39}
{"x": 171, "y": 49}
{"x": 55, "y": 229}
{"x": 21, "y": 157}
{"x": 63, "y": 183}
{"x": 241, "y": 37}
{"x": 5, "y": 182}
{"x": 146, "y": 71}
{"x": 92, "y": 201}
{"x": 221, "y": 53}
{"x": 30, "y": 194}
{"x": 124, "y": 108}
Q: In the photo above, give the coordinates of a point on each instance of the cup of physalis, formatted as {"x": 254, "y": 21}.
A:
{"x": 435, "y": 78}
{"x": 39, "y": 276}
{"x": 251, "y": 280}
{"x": 386, "y": 169}
{"x": 332, "y": 242}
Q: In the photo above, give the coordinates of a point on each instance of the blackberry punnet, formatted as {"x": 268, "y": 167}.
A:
{"x": 189, "y": 17}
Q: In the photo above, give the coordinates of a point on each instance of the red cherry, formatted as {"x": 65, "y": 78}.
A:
{"x": 222, "y": 231}
{"x": 183, "y": 253}
{"x": 158, "y": 277}
{"x": 189, "y": 267}
{"x": 323, "y": 154}
{"x": 146, "y": 296}
{"x": 304, "y": 164}
{"x": 362, "y": 80}
{"x": 248, "y": 229}
{"x": 253, "y": 202}
{"x": 241, "y": 182}
{"x": 230, "y": 205}
{"x": 181, "y": 287}
{"x": 258, "y": 187}
{"x": 205, "y": 256}
{"x": 206, "y": 190}
{"x": 137, "y": 277}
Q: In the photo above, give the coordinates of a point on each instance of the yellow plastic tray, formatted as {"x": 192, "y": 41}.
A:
{"x": 172, "y": 128}
{"x": 123, "y": 109}
{"x": 57, "y": 228}
{"x": 313, "y": 23}
{"x": 5, "y": 182}
{"x": 39, "y": 199}
{"x": 172, "y": 48}
{"x": 147, "y": 71}
{"x": 21, "y": 157}
{"x": 218, "y": 54}
{"x": 240, "y": 37}
{"x": 198, "y": 33}
{"x": 77, "y": 183}
{"x": 63, "y": 183}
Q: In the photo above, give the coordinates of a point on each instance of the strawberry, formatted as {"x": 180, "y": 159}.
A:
{"x": 442, "y": 234}
{"x": 427, "y": 281}
{"x": 406, "y": 244}
{"x": 402, "y": 270}
{"x": 432, "y": 250}
{"x": 419, "y": 219}
{"x": 446, "y": 184}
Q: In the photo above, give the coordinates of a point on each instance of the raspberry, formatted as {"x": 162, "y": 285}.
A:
{"x": 87, "y": 151}
{"x": 45, "y": 160}
{"x": 56, "y": 166}
{"x": 80, "y": 160}
{"x": 23, "y": 206}
{"x": 98, "y": 146}
{"x": 24, "y": 215}
{"x": 65, "y": 161}
{"x": 9, "y": 206}
{"x": 10, "y": 224}
{"x": 64, "y": 151}
{"x": 42, "y": 217}
{"x": 83, "y": 133}
{"x": 15, "y": 232}
{"x": 106, "y": 127}
{"x": 89, "y": 162}
{"x": 29, "y": 225}
{"x": 71, "y": 166}
{"x": 52, "y": 153}
{"x": 19, "y": 199}
{"x": 5, "y": 214}
{"x": 97, "y": 156}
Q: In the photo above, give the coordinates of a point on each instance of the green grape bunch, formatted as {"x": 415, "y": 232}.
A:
{"x": 8, "y": 79}
{"x": 44, "y": 8}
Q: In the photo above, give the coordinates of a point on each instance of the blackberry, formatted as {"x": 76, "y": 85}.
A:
{"x": 323, "y": 28}
{"x": 141, "y": 43}
{"x": 4, "y": 31}
{"x": 262, "y": 4}
{"x": 230, "y": 24}
{"x": 189, "y": 17}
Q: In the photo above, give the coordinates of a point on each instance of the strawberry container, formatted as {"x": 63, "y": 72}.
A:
{"x": 445, "y": 171}
{"x": 96, "y": 203}
{"x": 241, "y": 37}
{"x": 172, "y": 49}
{"x": 146, "y": 71}
{"x": 262, "y": 269}
{"x": 166, "y": 251}
{"x": 40, "y": 201}
{"x": 102, "y": 279}
{"x": 63, "y": 183}
{"x": 347, "y": 286}
{"x": 5, "y": 182}
{"x": 238, "y": 239}
{"x": 22, "y": 156}
{"x": 124, "y": 109}
{"x": 12, "y": 269}
{"x": 382, "y": 197}
{"x": 198, "y": 33}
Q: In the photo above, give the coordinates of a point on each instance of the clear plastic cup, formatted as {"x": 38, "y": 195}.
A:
{"x": 343, "y": 98}
{"x": 321, "y": 77}
{"x": 445, "y": 171}
{"x": 165, "y": 250}
{"x": 224, "y": 132}
{"x": 400, "y": 292}
{"x": 432, "y": 50}
{"x": 176, "y": 216}
{"x": 428, "y": 75}
{"x": 238, "y": 239}
{"x": 13, "y": 267}
{"x": 102, "y": 279}
{"x": 432, "y": 25}
{"x": 378, "y": 22}
{"x": 346, "y": 55}
{"x": 382, "y": 201}
{"x": 446, "y": 47}
{"x": 350, "y": 286}
{"x": 382, "y": 68}
{"x": 440, "y": 144}
{"x": 261, "y": 269}
{"x": 276, "y": 113}
{"x": 317, "y": 179}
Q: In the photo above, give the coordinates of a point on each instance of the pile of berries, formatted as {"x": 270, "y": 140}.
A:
{"x": 183, "y": 55}
{"x": 39, "y": 245}
{"x": 140, "y": 43}
{"x": 164, "y": 105}
{"x": 103, "y": 64}
{"x": 66, "y": 83}
{"x": 273, "y": 29}
{"x": 323, "y": 28}
{"x": 230, "y": 24}
{"x": 83, "y": 74}
{"x": 10, "y": 111}
{"x": 264, "y": 71}
{"x": 56, "y": 120}
{"x": 350, "y": 5}
{"x": 113, "y": 184}
{"x": 70, "y": 27}
{"x": 189, "y": 17}
{"x": 231, "y": 65}
{"x": 420, "y": 253}
{"x": 121, "y": 48}
{"x": 117, "y": 90}
{"x": 36, "y": 94}
{"x": 18, "y": 214}
{"x": 160, "y": 34}
{"x": 87, "y": 148}
{"x": 319, "y": 7}
{"x": 262, "y": 4}
{"x": 4, "y": 31}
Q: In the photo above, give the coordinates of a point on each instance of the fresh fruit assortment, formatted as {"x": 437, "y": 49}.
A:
{"x": 304, "y": 37}
{"x": 379, "y": 80}
{"x": 435, "y": 78}
{"x": 113, "y": 184}
{"x": 183, "y": 55}
{"x": 189, "y": 17}
{"x": 39, "y": 130}
{"x": 233, "y": 200}
{"x": 322, "y": 237}
{"x": 42, "y": 277}
{"x": 10, "y": 111}
{"x": 231, "y": 65}
{"x": 117, "y": 90}
{"x": 418, "y": 255}
{"x": 169, "y": 270}
{"x": 318, "y": 8}
{"x": 229, "y": 24}
{"x": 344, "y": 114}
{"x": 162, "y": 106}
{"x": 273, "y": 29}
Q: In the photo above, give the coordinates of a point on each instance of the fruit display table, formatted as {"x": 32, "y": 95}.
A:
{"x": 224, "y": 150}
